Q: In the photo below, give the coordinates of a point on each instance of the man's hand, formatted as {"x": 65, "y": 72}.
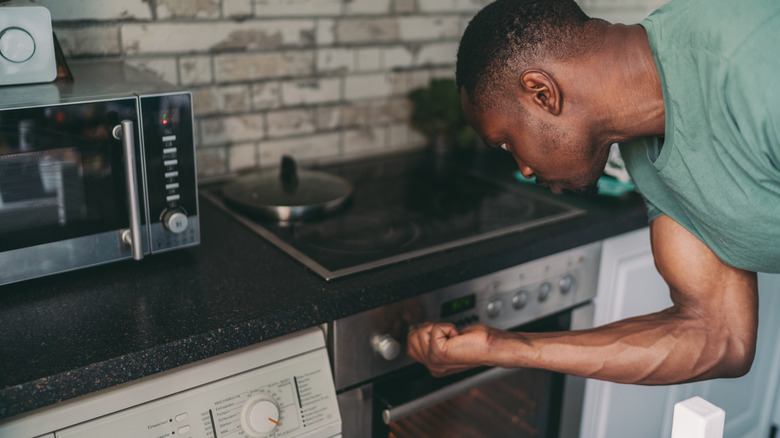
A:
{"x": 444, "y": 350}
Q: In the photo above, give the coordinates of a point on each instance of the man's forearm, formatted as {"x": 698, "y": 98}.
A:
{"x": 661, "y": 348}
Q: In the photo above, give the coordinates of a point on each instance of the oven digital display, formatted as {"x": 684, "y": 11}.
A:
{"x": 458, "y": 305}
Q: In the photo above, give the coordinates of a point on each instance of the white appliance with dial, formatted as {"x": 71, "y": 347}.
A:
{"x": 279, "y": 388}
{"x": 26, "y": 43}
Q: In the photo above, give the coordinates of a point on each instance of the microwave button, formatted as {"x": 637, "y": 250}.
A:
{"x": 175, "y": 221}
{"x": 169, "y": 151}
{"x": 168, "y": 163}
{"x": 168, "y": 138}
{"x": 172, "y": 186}
{"x": 172, "y": 174}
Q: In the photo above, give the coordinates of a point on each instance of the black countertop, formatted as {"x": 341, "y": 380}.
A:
{"x": 71, "y": 334}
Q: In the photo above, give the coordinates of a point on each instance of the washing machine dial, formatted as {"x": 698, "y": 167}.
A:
{"x": 260, "y": 416}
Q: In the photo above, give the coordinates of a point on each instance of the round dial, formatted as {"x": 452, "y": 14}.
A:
{"x": 386, "y": 346}
{"x": 16, "y": 44}
{"x": 175, "y": 221}
{"x": 494, "y": 308}
{"x": 544, "y": 291}
{"x": 260, "y": 416}
{"x": 566, "y": 284}
{"x": 520, "y": 299}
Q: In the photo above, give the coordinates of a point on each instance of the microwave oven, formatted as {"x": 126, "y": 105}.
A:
{"x": 94, "y": 169}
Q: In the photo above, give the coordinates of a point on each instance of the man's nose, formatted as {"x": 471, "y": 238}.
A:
{"x": 526, "y": 171}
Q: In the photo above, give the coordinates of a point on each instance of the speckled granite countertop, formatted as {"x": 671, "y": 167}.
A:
{"x": 71, "y": 334}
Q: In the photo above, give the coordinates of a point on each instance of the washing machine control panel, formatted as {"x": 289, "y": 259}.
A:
{"x": 282, "y": 388}
{"x": 292, "y": 398}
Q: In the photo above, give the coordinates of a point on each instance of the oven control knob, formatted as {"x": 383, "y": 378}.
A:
{"x": 260, "y": 416}
{"x": 566, "y": 284}
{"x": 544, "y": 291}
{"x": 520, "y": 300}
{"x": 175, "y": 221}
{"x": 386, "y": 346}
{"x": 494, "y": 308}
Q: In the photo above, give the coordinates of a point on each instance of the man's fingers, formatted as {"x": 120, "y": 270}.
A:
{"x": 440, "y": 334}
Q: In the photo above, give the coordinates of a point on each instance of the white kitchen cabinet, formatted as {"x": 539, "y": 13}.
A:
{"x": 629, "y": 285}
{"x": 749, "y": 400}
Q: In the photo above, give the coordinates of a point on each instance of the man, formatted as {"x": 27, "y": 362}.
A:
{"x": 692, "y": 95}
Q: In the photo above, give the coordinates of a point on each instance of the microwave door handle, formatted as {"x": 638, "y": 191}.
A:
{"x": 395, "y": 413}
{"x": 124, "y": 132}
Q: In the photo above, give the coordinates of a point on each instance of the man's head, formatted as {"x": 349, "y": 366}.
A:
{"x": 511, "y": 34}
{"x": 509, "y": 71}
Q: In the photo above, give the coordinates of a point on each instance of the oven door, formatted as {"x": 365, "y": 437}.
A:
{"x": 64, "y": 186}
{"x": 488, "y": 402}
{"x": 496, "y": 403}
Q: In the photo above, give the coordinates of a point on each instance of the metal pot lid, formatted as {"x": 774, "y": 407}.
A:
{"x": 290, "y": 193}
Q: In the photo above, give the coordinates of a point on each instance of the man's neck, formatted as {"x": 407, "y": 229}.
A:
{"x": 622, "y": 84}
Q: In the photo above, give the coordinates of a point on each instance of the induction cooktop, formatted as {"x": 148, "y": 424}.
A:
{"x": 403, "y": 206}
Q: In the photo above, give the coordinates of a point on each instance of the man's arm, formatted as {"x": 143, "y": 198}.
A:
{"x": 710, "y": 331}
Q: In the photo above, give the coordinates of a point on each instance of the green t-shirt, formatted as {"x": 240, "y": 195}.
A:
{"x": 717, "y": 170}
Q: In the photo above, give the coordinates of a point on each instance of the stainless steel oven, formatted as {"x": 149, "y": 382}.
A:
{"x": 382, "y": 393}
{"x": 95, "y": 169}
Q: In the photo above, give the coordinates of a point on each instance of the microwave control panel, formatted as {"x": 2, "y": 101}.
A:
{"x": 170, "y": 170}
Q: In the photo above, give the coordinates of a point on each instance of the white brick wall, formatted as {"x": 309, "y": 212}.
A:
{"x": 620, "y": 11}
{"x": 203, "y": 9}
{"x": 322, "y": 80}
{"x": 193, "y": 37}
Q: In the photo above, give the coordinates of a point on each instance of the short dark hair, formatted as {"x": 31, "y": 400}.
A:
{"x": 508, "y": 34}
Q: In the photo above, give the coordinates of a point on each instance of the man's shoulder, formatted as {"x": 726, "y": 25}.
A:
{"x": 718, "y": 26}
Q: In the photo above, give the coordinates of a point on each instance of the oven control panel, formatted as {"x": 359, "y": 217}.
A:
{"x": 374, "y": 342}
{"x": 518, "y": 295}
{"x": 290, "y": 395}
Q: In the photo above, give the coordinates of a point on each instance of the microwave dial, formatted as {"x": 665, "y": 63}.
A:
{"x": 175, "y": 220}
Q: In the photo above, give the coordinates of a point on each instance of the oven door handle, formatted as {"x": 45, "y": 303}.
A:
{"x": 395, "y": 413}
{"x": 124, "y": 132}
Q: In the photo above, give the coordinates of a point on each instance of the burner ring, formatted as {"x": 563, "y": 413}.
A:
{"x": 361, "y": 232}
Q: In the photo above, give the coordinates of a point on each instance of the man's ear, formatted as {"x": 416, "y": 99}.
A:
{"x": 542, "y": 90}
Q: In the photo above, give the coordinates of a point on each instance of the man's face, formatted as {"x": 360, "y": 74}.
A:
{"x": 563, "y": 160}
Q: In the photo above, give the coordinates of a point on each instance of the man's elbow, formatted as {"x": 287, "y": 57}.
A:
{"x": 738, "y": 358}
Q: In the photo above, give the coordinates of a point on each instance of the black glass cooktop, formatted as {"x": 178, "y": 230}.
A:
{"x": 402, "y": 207}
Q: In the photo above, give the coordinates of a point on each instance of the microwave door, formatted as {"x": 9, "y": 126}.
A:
{"x": 64, "y": 187}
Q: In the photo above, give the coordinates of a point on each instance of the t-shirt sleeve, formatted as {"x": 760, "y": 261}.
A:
{"x": 642, "y": 173}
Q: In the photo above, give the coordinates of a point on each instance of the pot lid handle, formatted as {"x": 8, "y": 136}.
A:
{"x": 288, "y": 174}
